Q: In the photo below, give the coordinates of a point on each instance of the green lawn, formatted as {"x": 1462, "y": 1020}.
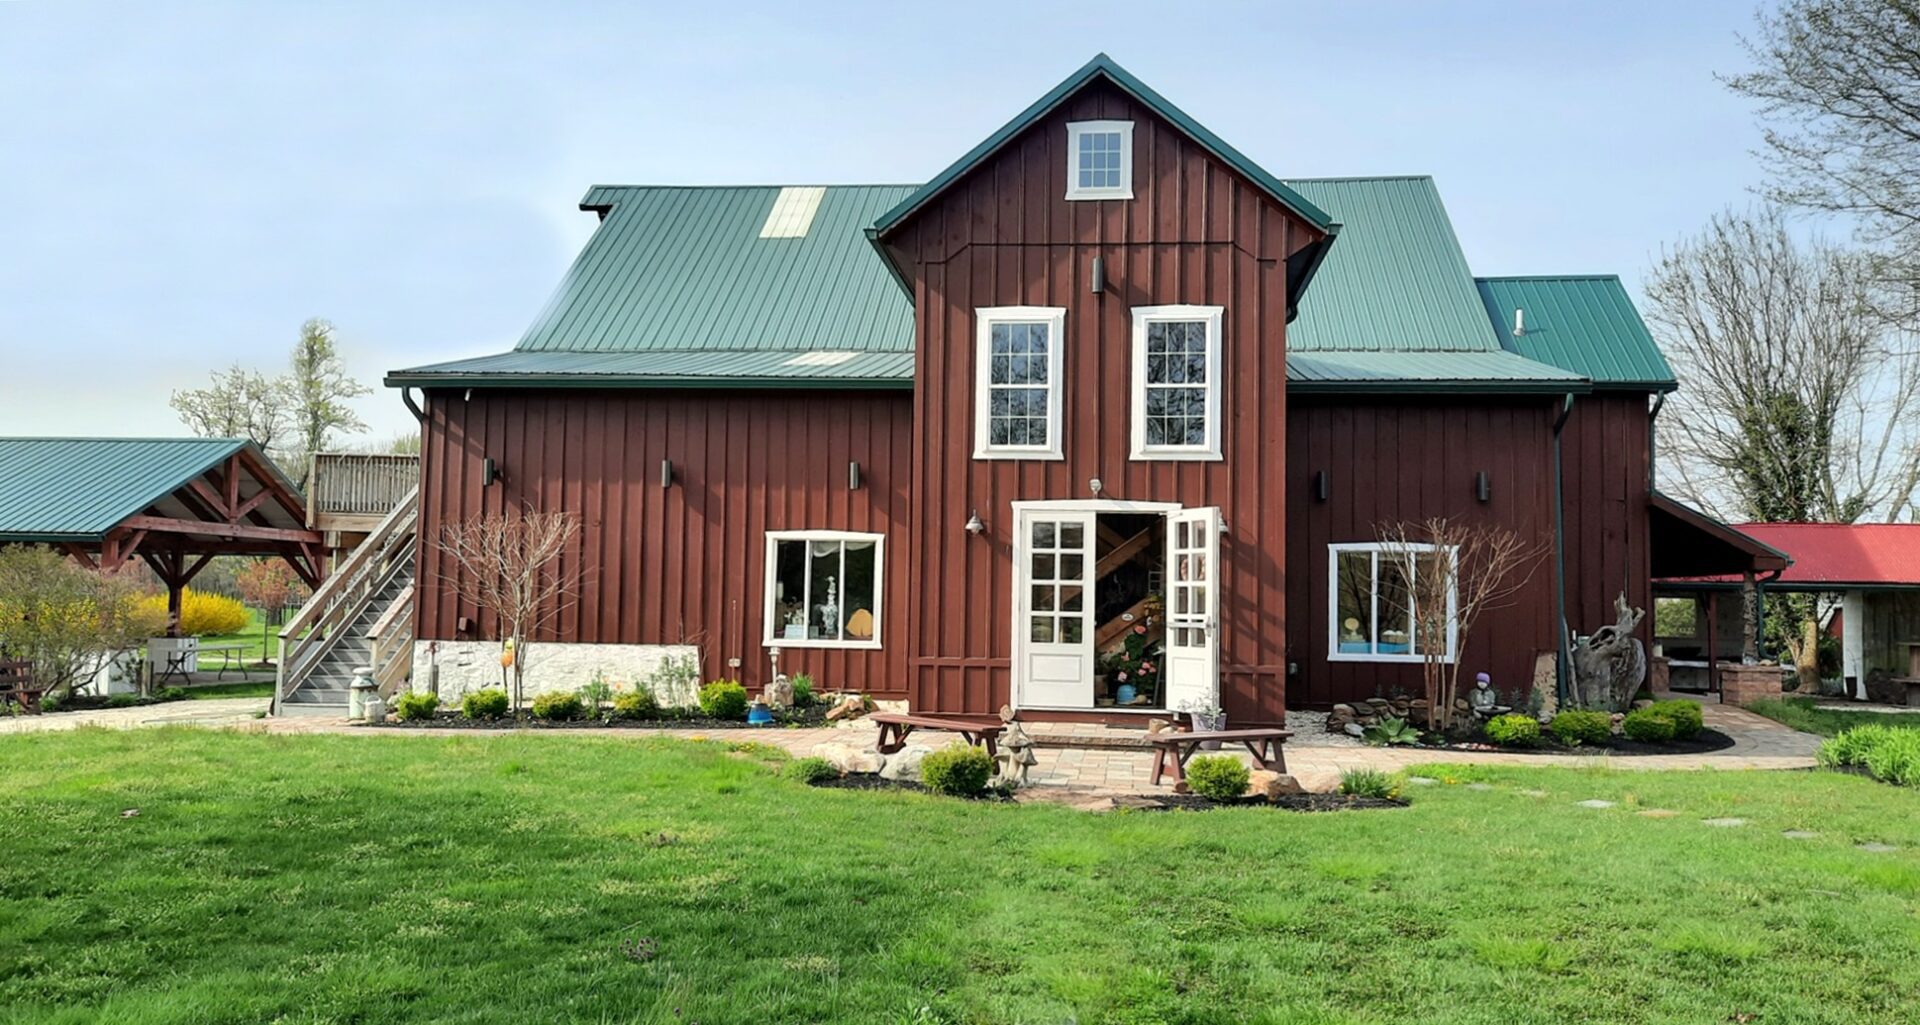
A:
{"x": 1801, "y": 714}
{"x": 256, "y": 689}
{"x": 263, "y": 641}
{"x": 334, "y": 879}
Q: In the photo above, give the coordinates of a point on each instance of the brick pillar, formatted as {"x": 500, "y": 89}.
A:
{"x": 1744, "y": 684}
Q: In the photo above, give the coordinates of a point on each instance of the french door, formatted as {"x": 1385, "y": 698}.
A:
{"x": 1192, "y": 671}
{"x": 1053, "y": 573}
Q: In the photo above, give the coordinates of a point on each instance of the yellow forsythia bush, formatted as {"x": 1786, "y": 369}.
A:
{"x": 202, "y": 614}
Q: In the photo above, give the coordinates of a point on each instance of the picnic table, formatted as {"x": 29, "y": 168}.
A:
{"x": 17, "y": 686}
{"x": 895, "y": 726}
{"x": 1172, "y": 748}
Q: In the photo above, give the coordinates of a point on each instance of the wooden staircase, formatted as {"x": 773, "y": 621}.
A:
{"x": 361, "y": 616}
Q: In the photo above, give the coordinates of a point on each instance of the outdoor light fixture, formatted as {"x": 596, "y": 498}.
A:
{"x": 1482, "y": 487}
{"x": 489, "y": 471}
{"x": 1320, "y": 485}
{"x": 1094, "y": 485}
{"x": 853, "y": 476}
{"x": 974, "y": 526}
{"x": 666, "y": 473}
{"x": 1224, "y": 529}
{"x": 1099, "y": 283}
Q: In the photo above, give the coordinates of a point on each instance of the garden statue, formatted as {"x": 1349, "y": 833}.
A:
{"x": 1484, "y": 701}
{"x": 1016, "y": 751}
{"x": 778, "y": 693}
{"x": 1609, "y": 666}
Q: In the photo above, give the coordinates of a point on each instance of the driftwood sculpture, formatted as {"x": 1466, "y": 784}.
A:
{"x": 1609, "y": 666}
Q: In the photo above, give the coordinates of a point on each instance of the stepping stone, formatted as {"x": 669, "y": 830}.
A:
{"x": 1876, "y": 848}
{"x": 1479, "y": 786}
{"x": 1657, "y": 813}
{"x": 1533, "y": 793}
{"x": 1723, "y": 823}
{"x": 1596, "y": 803}
{"x": 1798, "y": 834}
{"x": 1422, "y": 781}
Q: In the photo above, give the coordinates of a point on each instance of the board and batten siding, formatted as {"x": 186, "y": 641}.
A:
{"x": 1195, "y": 232}
{"x": 1606, "y": 491}
{"x": 684, "y": 564}
{"x": 1408, "y": 459}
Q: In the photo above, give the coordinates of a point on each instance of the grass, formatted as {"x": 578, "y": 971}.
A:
{"x": 256, "y": 689}
{"x": 336, "y": 879}
{"x": 1801, "y": 714}
{"x": 263, "y": 641}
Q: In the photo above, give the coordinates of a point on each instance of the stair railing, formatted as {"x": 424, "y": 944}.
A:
{"x": 344, "y": 595}
{"x": 392, "y": 642}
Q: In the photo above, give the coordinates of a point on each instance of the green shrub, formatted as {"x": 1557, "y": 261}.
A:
{"x": 637, "y": 703}
{"x": 484, "y": 704}
{"x": 1369, "y": 783}
{"x": 1890, "y": 754}
{"x": 558, "y": 706}
{"x": 171, "y": 694}
{"x": 724, "y": 699}
{"x": 1392, "y": 731}
{"x": 596, "y": 693}
{"x": 811, "y": 770}
{"x": 1686, "y": 715}
{"x": 1217, "y": 777}
{"x": 802, "y": 690}
{"x": 1514, "y": 730}
{"x": 1647, "y": 726}
{"x": 961, "y": 770}
{"x": 416, "y": 706}
{"x": 1578, "y": 727}
{"x": 122, "y": 700}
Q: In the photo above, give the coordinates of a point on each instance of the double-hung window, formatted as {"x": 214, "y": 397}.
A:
{"x": 1100, "y": 160}
{"x": 1017, "y": 374}
{"x": 823, "y": 589}
{"x": 1375, "y": 609}
{"x": 1176, "y": 382}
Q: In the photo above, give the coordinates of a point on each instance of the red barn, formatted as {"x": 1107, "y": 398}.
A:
{"x": 1104, "y": 378}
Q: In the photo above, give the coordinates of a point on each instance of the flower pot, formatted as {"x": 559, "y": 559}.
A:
{"x": 1203, "y": 723}
{"x": 1124, "y": 694}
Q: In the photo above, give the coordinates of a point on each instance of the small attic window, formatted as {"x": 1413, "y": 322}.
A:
{"x": 821, "y": 359}
{"x": 793, "y": 211}
{"x": 1100, "y": 160}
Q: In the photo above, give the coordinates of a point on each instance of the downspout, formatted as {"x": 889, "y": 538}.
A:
{"x": 1563, "y": 655}
{"x": 406, "y": 396}
{"x": 1653, "y": 440}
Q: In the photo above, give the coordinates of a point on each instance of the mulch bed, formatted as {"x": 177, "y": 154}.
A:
{"x": 1700, "y": 743}
{"x": 1138, "y": 802}
{"x": 794, "y": 719}
{"x": 872, "y": 781}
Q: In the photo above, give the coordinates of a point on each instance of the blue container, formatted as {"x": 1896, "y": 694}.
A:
{"x": 1124, "y": 694}
{"x": 759, "y": 715}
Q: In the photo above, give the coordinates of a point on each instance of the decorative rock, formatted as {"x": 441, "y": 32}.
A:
{"x": 1657, "y": 813}
{"x": 847, "y": 758}
{"x": 1354, "y": 729}
{"x": 1346, "y": 710}
{"x": 1533, "y": 793}
{"x": 1798, "y": 834}
{"x": 848, "y": 708}
{"x": 1273, "y": 785}
{"x": 1876, "y": 848}
{"x": 1595, "y": 803}
{"x": 1158, "y": 726}
{"x": 1422, "y": 781}
{"x": 905, "y": 763}
{"x": 1618, "y": 718}
{"x": 778, "y": 693}
{"x": 1728, "y": 823}
{"x": 1479, "y": 786}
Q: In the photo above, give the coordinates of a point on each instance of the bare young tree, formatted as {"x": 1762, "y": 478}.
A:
{"x": 1838, "y": 83}
{"x": 509, "y": 565}
{"x": 1795, "y": 404}
{"x": 237, "y": 403}
{"x": 318, "y": 388}
{"x": 1448, "y": 572}
{"x": 267, "y": 585}
{"x": 64, "y": 618}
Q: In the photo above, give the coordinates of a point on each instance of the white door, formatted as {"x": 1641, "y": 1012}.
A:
{"x": 1053, "y": 564}
{"x": 1193, "y": 608}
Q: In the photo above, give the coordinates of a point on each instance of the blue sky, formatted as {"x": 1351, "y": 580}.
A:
{"x": 181, "y": 184}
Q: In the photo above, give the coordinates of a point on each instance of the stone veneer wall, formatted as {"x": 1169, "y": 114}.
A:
{"x": 475, "y": 665}
{"x": 1744, "y": 684}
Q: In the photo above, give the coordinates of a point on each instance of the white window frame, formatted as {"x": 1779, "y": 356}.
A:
{"x": 1334, "y": 654}
{"x": 1055, "y": 317}
{"x": 769, "y": 607}
{"x": 1213, "y": 316}
{"x": 1075, "y": 129}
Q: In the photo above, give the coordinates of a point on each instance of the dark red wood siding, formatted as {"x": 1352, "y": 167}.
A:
{"x": 1607, "y": 487}
{"x": 683, "y": 564}
{"x": 1195, "y": 232}
{"x": 1401, "y": 459}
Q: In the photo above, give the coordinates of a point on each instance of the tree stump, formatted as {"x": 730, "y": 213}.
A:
{"x": 1609, "y": 666}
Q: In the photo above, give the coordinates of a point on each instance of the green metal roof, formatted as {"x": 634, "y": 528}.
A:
{"x": 77, "y": 489}
{"x": 670, "y": 369}
{"x": 1426, "y": 371}
{"x": 1584, "y": 323}
{"x": 1104, "y": 66}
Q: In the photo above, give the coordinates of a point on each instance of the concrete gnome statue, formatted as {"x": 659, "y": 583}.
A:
{"x": 1016, "y": 750}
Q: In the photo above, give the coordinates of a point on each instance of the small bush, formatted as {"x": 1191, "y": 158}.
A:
{"x": 811, "y": 770}
{"x": 558, "y": 706}
{"x": 484, "y": 704}
{"x": 1514, "y": 730}
{"x": 960, "y": 771}
{"x": 596, "y": 693}
{"x": 201, "y": 614}
{"x": 171, "y": 694}
{"x": 1890, "y": 754}
{"x": 1687, "y": 717}
{"x": 1217, "y": 777}
{"x": 724, "y": 699}
{"x": 802, "y": 690}
{"x": 1369, "y": 783}
{"x": 1647, "y": 726}
{"x": 637, "y": 703}
{"x": 1576, "y": 727}
{"x": 416, "y": 706}
{"x": 122, "y": 700}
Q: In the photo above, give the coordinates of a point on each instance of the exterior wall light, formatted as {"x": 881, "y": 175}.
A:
{"x": 974, "y": 526}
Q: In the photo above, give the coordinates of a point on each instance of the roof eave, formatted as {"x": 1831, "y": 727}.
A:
{"x": 1412, "y": 387}
{"x": 401, "y": 379}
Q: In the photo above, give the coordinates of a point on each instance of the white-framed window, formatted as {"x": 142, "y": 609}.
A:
{"x": 1017, "y": 382}
{"x": 1176, "y": 382}
{"x": 1100, "y": 160}
{"x": 823, "y": 589}
{"x": 1371, "y": 608}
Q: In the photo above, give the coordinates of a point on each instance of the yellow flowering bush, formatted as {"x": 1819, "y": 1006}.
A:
{"x": 202, "y": 614}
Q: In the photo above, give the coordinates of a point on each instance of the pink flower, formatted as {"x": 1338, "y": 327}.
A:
{"x": 1122, "y": 677}
{"x": 1139, "y": 628}
{"x": 1146, "y": 667}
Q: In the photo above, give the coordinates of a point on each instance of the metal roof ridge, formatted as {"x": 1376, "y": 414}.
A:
{"x": 126, "y": 438}
{"x": 1547, "y": 277}
{"x": 1360, "y": 178}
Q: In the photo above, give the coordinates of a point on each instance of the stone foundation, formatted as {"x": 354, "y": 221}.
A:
{"x": 1743, "y": 684}
{"x": 475, "y": 665}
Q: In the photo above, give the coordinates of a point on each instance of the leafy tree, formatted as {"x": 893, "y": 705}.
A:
{"x": 237, "y": 403}
{"x": 64, "y": 618}
{"x": 318, "y": 388}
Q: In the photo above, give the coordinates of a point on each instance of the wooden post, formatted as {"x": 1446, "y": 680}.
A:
{"x": 1713, "y": 642}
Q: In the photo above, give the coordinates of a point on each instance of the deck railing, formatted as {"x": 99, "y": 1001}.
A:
{"x": 392, "y": 641}
{"x": 345, "y": 595}
{"x": 359, "y": 484}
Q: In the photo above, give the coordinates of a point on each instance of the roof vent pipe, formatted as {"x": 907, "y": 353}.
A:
{"x": 1519, "y": 322}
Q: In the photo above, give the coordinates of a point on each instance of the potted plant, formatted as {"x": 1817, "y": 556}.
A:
{"x": 1134, "y": 670}
{"x": 1207, "y": 718}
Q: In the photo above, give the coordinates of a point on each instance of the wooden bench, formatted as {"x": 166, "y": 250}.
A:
{"x": 16, "y": 685}
{"x": 895, "y": 726}
{"x": 1172, "y": 748}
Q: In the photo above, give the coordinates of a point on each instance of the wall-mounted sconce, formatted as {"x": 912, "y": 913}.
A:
{"x": 853, "y": 476}
{"x": 1099, "y": 276}
{"x": 974, "y": 526}
{"x": 1482, "y": 487}
{"x": 489, "y": 472}
{"x": 1224, "y": 529}
{"x": 1320, "y": 486}
{"x": 666, "y": 473}
{"x": 1095, "y": 486}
